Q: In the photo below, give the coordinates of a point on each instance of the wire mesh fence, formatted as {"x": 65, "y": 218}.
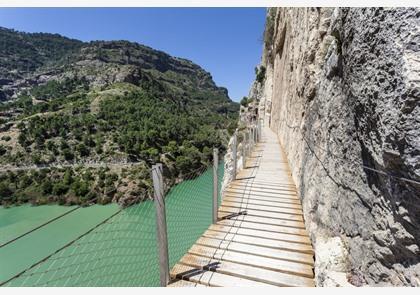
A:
{"x": 119, "y": 252}
{"x": 189, "y": 211}
{"x": 123, "y": 249}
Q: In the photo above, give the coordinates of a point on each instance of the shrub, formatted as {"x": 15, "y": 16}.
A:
{"x": 244, "y": 101}
{"x": 80, "y": 188}
{"x": 2, "y": 150}
{"x": 5, "y": 191}
{"x": 68, "y": 155}
{"x": 60, "y": 189}
{"x": 260, "y": 73}
{"x": 83, "y": 150}
{"x": 47, "y": 187}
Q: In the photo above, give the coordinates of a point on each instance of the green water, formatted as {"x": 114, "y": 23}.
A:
{"x": 17, "y": 220}
{"x": 120, "y": 252}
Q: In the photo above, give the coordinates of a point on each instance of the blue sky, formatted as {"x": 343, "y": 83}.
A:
{"x": 227, "y": 42}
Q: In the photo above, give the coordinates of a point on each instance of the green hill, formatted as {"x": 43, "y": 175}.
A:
{"x": 70, "y": 103}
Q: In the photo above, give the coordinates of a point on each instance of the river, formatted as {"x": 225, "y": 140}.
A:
{"x": 108, "y": 246}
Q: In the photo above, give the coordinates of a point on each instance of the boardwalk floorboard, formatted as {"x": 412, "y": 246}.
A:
{"x": 250, "y": 200}
{"x": 257, "y": 250}
{"x": 261, "y": 234}
{"x": 264, "y": 227}
{"x": 289, "y": 267}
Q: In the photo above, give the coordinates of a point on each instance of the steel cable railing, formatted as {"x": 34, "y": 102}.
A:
{"x": 353, "y": 162}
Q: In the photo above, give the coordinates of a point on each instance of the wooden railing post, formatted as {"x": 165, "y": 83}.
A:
{"x": 244, "y": 152}
{"x": 253, "y": 137}
{"x": 215, "y": 183}
{"x": 161, "y": 231}
{"x": 249, "y": 142}
{"x": 234, "y": 154}
{"x": 255, "y": 134}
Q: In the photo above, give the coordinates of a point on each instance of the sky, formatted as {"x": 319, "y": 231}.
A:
{"x": 227, "y": 42}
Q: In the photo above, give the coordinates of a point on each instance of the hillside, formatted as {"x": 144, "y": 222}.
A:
{"x": 66, "y": 102}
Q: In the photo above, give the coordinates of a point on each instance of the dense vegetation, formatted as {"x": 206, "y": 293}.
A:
{"x": 24, "y": 53}
{"x": 113, "y": 108}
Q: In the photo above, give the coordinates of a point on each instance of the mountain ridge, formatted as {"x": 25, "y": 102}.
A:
{"x": 68, "y": 101}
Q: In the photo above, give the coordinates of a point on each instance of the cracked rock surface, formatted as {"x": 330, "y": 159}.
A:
{"x": 342, "y": 90}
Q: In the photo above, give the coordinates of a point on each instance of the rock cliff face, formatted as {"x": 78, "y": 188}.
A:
{"x": 342, "y": 91}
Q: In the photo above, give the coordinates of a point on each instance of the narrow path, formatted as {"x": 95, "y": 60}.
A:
{"x": 260, "y": 238}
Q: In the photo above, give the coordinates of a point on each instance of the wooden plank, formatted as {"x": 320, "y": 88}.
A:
{"x": 257, "y": 250}
{"x": 261, "y": 234}
{"x": 209, "y": 278}
{"x": 250, "y": 200}
{"x": 227, "y": 203}
{"x": 275, "y": 244}
{"x": 258, "y": 213}
{"x": 288, "y": 267}
{"x": 256, "y": 188}
{"x": 183, "y": 284}
{"x": 247, "y": 272}
{"x": 263, "y": 220}
{"x": 265, "y": 227}
{"x": 269, "y": 184}
{"x": 274, "y": 196}
{"x": 250, "y": 188}
{"x": 266, "y": 188}
{"x": 280, "y": 200}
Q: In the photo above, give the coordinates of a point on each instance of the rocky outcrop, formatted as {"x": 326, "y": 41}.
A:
{"x": 342, "y": 91}
{"x": 29, "y": 59}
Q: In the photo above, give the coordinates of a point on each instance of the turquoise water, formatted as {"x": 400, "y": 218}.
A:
{"x": 33, "y": 247}
{"x": 18, "y": 220}
{"x": 120, "y": 252}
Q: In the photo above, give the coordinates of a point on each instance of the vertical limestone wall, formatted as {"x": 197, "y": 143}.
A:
{"x": 342, "y": 92}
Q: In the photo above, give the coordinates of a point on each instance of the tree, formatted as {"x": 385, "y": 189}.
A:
{"x": 47, "y": 186}
{"x": 25, "y": 181}
{"x": 23, "y": 140}
{"x": 13, "y": 178}
{"x": 67, "y": 178}
{"x": 244, "y": 101}
{"x": 260, "y": 74}
{"x": 63, "y": 145}
{"x": 51, "y": 146}
{"x": 171, "y": 148}
{"x": 80, "y": 188}
{"x": 60, "y": 189}
{"x": 5, "y": 191}
{"x": 2, "y": 150}
{"x": 68, "y": 155}
{"x": 83, "y": 150}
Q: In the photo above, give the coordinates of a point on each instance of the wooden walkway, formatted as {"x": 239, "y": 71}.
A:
{"x": 260, "y": 238}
